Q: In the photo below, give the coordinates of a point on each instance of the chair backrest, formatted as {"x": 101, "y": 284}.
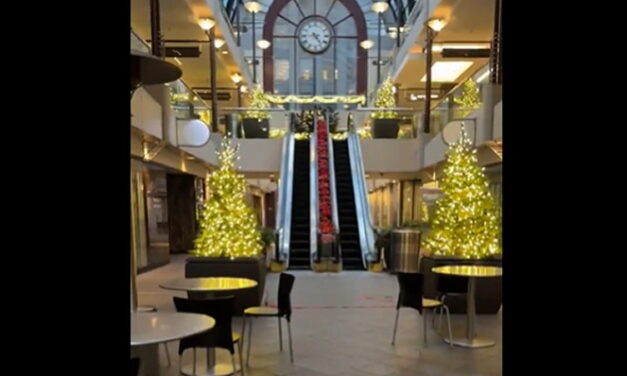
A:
{"x": 410, "y": 293}
{"x": 134, "y": 366}
{"x": 221, "y": 310}
{"x": 452, "y": 284}
{"x": 286, "y": 282}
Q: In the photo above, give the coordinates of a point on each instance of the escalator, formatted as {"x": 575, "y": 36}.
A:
{"x": 300, "y": 214}
{"x": 347, "y": 213}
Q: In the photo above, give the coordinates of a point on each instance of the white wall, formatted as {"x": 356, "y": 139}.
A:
{"x": 146, "y": 113}
{"x": 391, "y": 155}
{"x": 256, "y": 155}
{"x": 498, "y": 121}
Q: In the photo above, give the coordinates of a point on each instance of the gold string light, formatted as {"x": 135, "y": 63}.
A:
{"x": 466, "y": 221}
{"x": 228, "y": 227}
{"x": 327, "y": 99}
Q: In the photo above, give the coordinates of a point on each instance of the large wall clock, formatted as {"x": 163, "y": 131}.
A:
{"x": 314, "y": 34}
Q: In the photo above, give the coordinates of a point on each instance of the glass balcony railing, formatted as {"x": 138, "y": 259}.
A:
{"x": 462, "y": 102}
{"x": 237, "y": 125}
{"x": 364, "y": 122}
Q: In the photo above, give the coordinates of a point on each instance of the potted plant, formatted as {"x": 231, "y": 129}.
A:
{"x": 268, "y": 237}
{"x": 385, "y": 121}
{"x": 256, "y": 121}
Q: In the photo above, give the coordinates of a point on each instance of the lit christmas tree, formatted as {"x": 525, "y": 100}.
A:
{"x": 385, "y": 99}
{"x": 466, "y": 220}
{"x": 470, "y": 100}
{"x": 258, "y": 100}
{"x": 228, "y": 226}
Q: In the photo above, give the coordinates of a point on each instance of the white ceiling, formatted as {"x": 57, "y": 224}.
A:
{"x": 179, "y": 20}
{"x": 466, "y": 21}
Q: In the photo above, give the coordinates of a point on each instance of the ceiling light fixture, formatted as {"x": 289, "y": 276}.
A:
{"x": 263, "y": 44}
{"x": 447, "y": 71}
{"x": 219, "y": 42}
{"x": 438, "y": 47}
{"x": 236, "y": 77}
{"x": 366, "y": 44}
{"x": 380, "y": 7}
{"x": 206, "y": 23}
{"x": 436, "y": 24}
{"x": 253, "y": 6}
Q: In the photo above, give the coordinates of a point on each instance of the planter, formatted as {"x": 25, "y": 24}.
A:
{"x": 251, "y": 268}
{"x": 254, "y": 128}
{"x": 488, "y": 296}
{"x": 385, "y": 128}
{"x": 269, "y": 253}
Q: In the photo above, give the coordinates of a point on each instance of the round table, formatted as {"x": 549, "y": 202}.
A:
{"x": 199, "y": 288}
{"x": 148, "y": 330}
{"x": 472, "y": 272}
{"x": 209, "y": 284}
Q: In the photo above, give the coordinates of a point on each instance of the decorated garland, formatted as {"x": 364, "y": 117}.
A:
{"x": 324, "y": 187}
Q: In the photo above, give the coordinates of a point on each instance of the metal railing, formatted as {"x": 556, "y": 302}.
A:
{"x": 313, "y": 198}
{"x": 284, "y": 205}
{"x": 336, "y": 250}
{"x": 367, "y": 230}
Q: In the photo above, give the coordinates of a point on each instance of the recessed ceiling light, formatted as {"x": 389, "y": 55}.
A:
{"x": 447, "y": 71}
{"x": 438, "y": 47}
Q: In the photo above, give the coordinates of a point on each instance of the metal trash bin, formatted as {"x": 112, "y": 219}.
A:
{"x": 405, "y": 251}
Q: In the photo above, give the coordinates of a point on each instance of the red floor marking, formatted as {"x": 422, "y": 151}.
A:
{"x": 342, "y": 307}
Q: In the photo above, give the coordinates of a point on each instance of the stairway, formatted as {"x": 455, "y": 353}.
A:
{"x": 299, "y": 238}
{"x": 349, "y": 232}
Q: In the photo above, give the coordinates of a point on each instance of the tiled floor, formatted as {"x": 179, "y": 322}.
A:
{"x": 342, "y": 325}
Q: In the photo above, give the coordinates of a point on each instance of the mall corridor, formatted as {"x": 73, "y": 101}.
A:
{"x": 341, "y": 325}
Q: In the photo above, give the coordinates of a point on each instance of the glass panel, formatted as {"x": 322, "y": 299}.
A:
{"x": 417, "y": 202}
{"x": 307, "y": 6}
{"x": 283, "y": 57}
{"x": 339, "y": 11}
{"x": 406, "y": 215}
{"x": 305, "y": 73}
{"x": 346, "y": 28}
{"x": 325, "y": 76}
{"x": 138, "y": 218}
{"x": 345, "y": 74}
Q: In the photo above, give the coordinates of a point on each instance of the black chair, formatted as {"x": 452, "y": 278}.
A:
{"x": 134, "y": 366}
{"x": 284, "y": 310}
{"x": 410, "y": 296}
{"x": 221, "y": 335}
{"x": 450, "y": 286}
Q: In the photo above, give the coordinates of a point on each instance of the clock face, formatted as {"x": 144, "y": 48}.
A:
{"x": 314, "y": 35}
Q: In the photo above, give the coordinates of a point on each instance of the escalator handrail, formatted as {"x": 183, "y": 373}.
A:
{"x": 337, "y": 252}
{"x": 284, "y": 209}
{"x": 362, "y": 208}
{"x": 313, "y": 197}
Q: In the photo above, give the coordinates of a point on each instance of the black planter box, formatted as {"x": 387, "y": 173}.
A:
{"x": 251, "y": 268}
{"x": 385, "y": 128}
{"x": 254, "y": 128}
{"x": 489, "y": 292}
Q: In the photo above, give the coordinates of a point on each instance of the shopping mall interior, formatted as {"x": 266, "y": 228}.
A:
{"x": 316, "y": 187}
